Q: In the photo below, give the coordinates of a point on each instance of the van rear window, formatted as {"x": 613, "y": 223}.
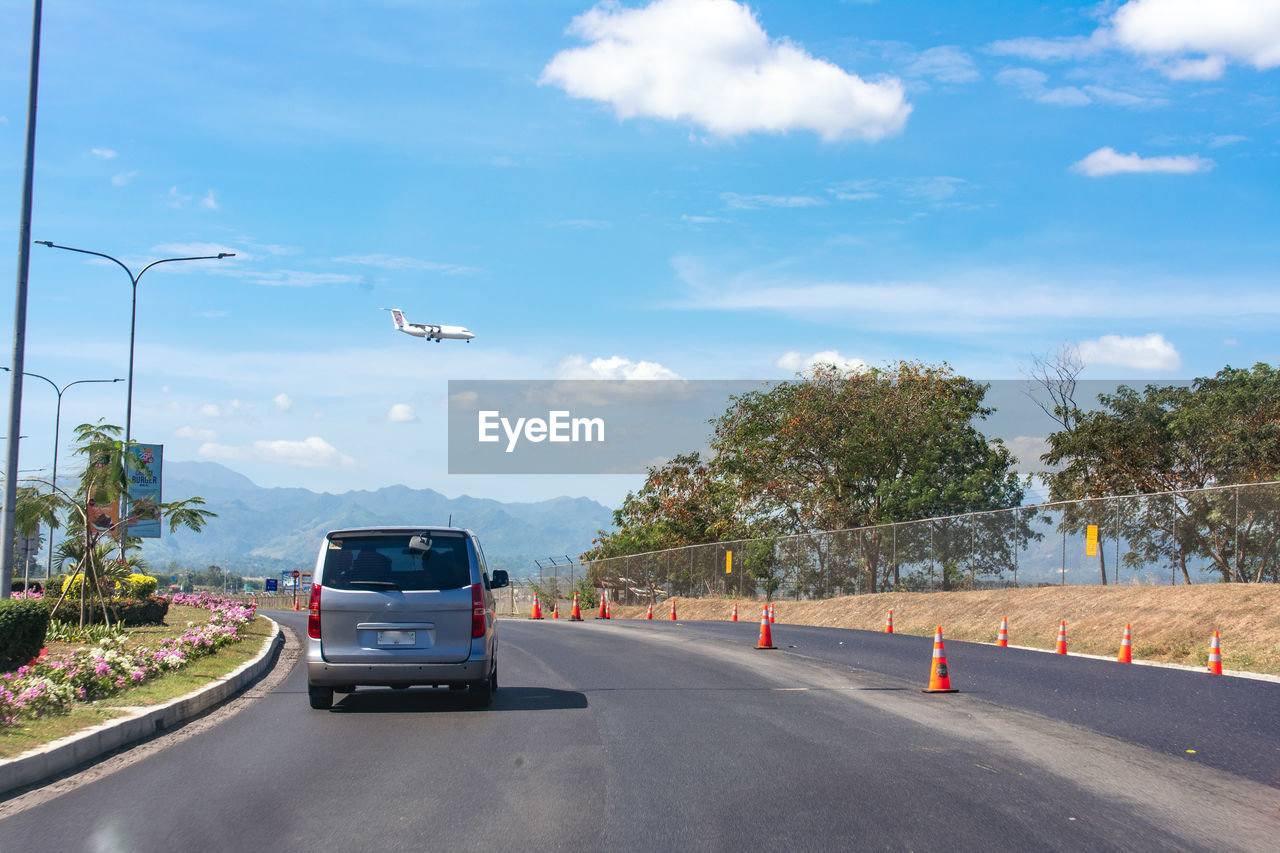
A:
{"x": 385, "y": 562}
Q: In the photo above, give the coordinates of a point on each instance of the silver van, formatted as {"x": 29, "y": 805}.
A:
{"x": 402, "y": 606}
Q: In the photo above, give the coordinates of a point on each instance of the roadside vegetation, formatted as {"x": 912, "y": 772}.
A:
{"x": 843, "y": 449}
{"x": 89, "y": 675}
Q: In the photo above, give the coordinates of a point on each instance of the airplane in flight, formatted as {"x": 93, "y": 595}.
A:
{"x": 428, "y": 331}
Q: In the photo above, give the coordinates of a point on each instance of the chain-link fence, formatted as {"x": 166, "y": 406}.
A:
{"x": 1227, "y": 533}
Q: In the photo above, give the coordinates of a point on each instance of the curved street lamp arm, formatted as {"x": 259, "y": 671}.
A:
{"x": 116, "y": 261}
{"x": 216, "y": 257}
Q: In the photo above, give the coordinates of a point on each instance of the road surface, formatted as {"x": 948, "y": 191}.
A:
{"x": 659, "y": 736}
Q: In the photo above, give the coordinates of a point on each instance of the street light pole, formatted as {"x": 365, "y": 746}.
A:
{"x": 57, "y": 427}
{"x": 133, "y": 326}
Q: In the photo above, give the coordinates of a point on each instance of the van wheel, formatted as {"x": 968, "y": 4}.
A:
{"x": 321, "y": 697}
{"x": 482, "y": 691}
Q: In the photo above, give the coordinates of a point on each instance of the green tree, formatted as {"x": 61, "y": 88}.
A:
{"x": 91, "y": 529}
{"x": 1223, "y": 430}
{"x": 850, "y": 449}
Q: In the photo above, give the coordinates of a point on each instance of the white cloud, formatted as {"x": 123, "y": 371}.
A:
{"x": 710, "y": 62}
{"x": 795, "y": 362}
{"x": 123, "y": 178}
{"x": 975, "y": 300}
{"x": 196, "y": 433}
{"x": 1027, "y": 450}
{"x": 701, "y": 220}
{"x": 311, "y": 452}
{"x": 401, "y": 413}
{"x": 1148, "y": 352}
{"x": 198, "y": 250}
{"x": 1207, "y": 68}
{"x": 211, "y": 410}
{"x": 1224, "y": 139}
{"x": 945, "y": 64}
{"x": 614, "y": 367}
{"x": 392, "y": 262}
{"x": 1107, "y": 161}
{"x": 299, "y": 278}
{"x": 104, "y": 153}
{"x": 177, "y": 199}
{"x": 1246, "y": 31}
{"x": 283, "y": 402}
{"x": 738, "y": 201}
{"x": 1053, "y": 50}
{"x": 209, "y": 202}
{"x": 1122, "y": 99}
{"x": 1031, "y": 84}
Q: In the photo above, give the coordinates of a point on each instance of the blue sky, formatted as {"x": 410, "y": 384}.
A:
{"x": 689, "y": 188}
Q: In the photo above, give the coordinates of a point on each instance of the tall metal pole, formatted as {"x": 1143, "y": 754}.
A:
{"x": 57, "y": 428}
{"x": 133, "y": 326}
{"x": 20, "y": 316}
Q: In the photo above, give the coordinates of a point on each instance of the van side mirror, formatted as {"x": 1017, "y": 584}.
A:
{"x": 499, "y": 579}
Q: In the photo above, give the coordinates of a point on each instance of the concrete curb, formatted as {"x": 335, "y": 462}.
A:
{"x": 48, "y": 761}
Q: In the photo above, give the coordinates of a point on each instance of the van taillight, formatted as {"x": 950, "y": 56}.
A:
{"x": 313, "y": 613}
{"x": 477, "y": 611}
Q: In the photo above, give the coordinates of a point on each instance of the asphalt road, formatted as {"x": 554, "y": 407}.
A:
{"x": 659, "y": 736}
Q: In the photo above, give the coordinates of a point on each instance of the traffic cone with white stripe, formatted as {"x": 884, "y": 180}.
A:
{"x": 1215, "y": 655}
{"x": 537, "y": 609}
{"x": 1062, "y": 637}
{"x": 773, "y": 615}
{"x": 673, "y": 610}
{"x": 555, "y": 610}
{"x": 766, "y": 633}
{"x": 608, "y": 610}
{"x": 1126, "y": 645}
{"x": 601, "y": 614}
{"x": 575, "y": 615}
{"x": 939, "y": 675}
{"x": 734, "y": 616}
{"x": 649, "y": 613}
{"x": 888, "y": 623}
{"x": 1002, "y": 638}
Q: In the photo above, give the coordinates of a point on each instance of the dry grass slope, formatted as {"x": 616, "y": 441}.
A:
{"x": 1171, "y": 624}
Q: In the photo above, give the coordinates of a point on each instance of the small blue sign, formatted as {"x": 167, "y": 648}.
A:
{"x": 272, "y": 584}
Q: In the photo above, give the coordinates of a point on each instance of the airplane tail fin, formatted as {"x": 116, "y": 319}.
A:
{"x": 397, "y": 317}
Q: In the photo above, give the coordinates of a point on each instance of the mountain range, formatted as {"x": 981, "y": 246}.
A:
{"x": 259, "y": 530}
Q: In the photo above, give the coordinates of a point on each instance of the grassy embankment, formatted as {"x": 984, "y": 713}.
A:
{"x": 28, "y": 734}
{"x": 1170, "y": 624}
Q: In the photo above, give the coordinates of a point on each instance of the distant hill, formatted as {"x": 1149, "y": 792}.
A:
{"x": 260, "y": 530}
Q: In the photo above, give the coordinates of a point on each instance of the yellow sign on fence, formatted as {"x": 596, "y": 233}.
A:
{"x": 728, "y": 562}
{"x": 1091, "y": 541}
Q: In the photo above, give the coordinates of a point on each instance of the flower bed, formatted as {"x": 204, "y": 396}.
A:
{"x": 52, "y": 684}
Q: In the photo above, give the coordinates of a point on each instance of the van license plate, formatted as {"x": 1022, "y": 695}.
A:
{"x": 397, "y": 638}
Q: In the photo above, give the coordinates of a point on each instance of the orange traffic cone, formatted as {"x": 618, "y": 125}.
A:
{"x": 673, "y": 610}
{"x": 555, "y": 610}
{"x": 649, "y": 613}
{"x": 773, "y": 616}
{"x": 939, "y": 676}
{"x": 888, "y": 623}
{"x": 766, "y": 633}
{"x": 602, "y": 614}
{"x": 537, "y": 608}
{"x": 1062, "y": 638}
{"x": 1126, "y": 645}
{"x": 1002, "y": 638}
{"x": 575, "y": 615}
{"x": 733, "y": 617}
{"x": 608, "y": 610}
{"x": 1215, "y": 655}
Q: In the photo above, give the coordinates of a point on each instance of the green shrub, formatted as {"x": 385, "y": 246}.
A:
{"x": 23, "y": 625}
{"x": 128, "y": 612}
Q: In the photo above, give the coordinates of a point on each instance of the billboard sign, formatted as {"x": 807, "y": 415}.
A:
{"x": 144, "y": 464}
